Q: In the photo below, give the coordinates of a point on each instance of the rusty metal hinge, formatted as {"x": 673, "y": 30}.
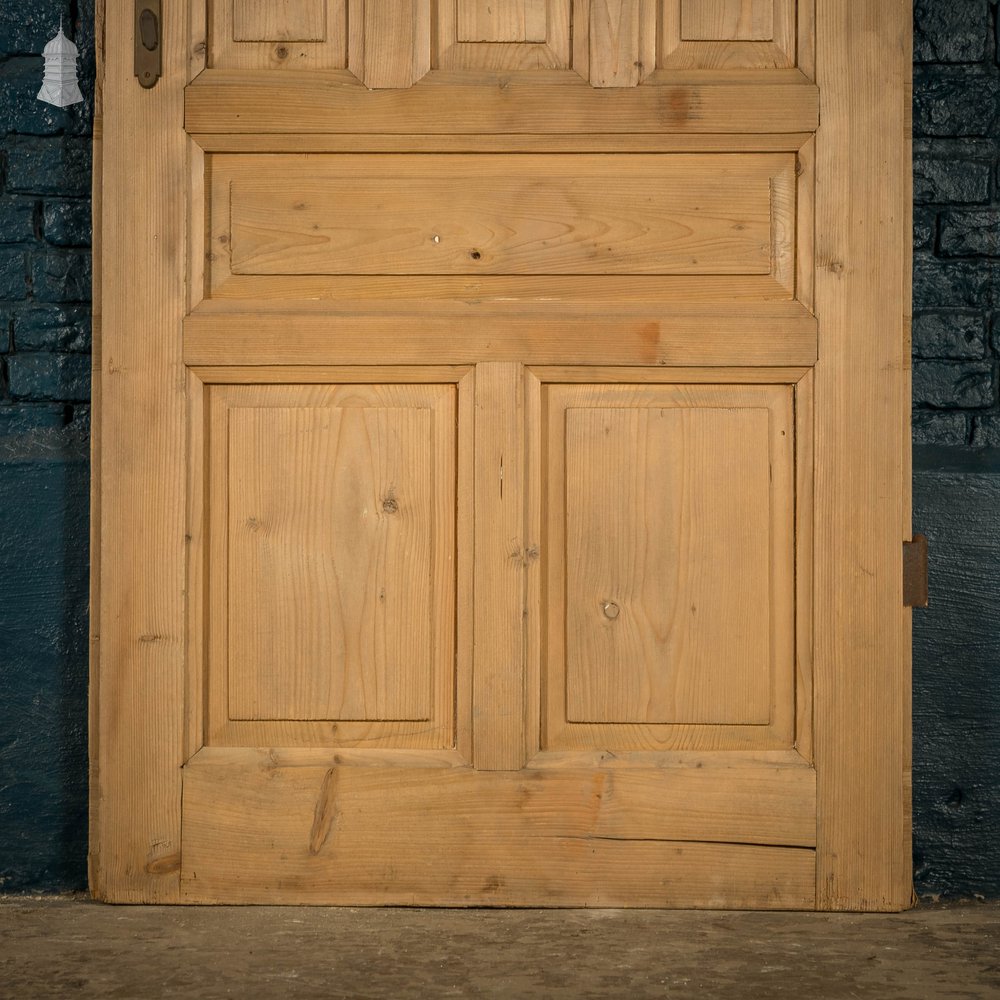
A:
{"x": 915, "y": 583}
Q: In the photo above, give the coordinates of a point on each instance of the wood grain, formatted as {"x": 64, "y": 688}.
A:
{"x": 747, "y": 335}
{"x": 862, "y": 631}
{"x": 483, "y": 143}
{"x": 503, "y": 557}
{"x": 278, "y": 20}
{"x": 622, "y": 42}
{"x": 728, "y": 20}
{"x": 485, "y": 214}
{"x": 479, "y": 37}
{"x": 733, "y": 35}
{"x": 667, "y": 549}
{"x": 502, "y": 20}
{"x": 331, "y": 561}
{"x": 606, "y": 547}
{"x": 138, "y": 691}
{"x": 275, "y": 35}
{"x": 396, "y": 47}
{"x": 558, "y": 838}
{"x": 293, "y": 102}
{"x": 330, "y": 533}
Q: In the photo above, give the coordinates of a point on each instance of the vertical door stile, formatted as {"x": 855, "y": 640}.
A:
{"x": 502, "y": 555}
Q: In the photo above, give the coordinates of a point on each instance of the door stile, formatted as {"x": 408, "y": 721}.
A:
{"x": 137, "y": 695}
{"x": 862, "y": 637}
{"x": 503, "y": 554}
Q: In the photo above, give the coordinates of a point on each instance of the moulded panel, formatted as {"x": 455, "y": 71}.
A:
{"x": 331, "y": 564}
{"x": 641, "y": 214}
{"x": 733, "y": 34}
{"x": 669, "y": 547}
{"x": 667, "y": 537}
{"x": 278, "y": 34}
{"x": 502, "y": 20}
{"x": 330, "y": 536}
{"x": 727, "y": 20}
{"x": 279, "y": 20}
{"x": 477, "y": 35}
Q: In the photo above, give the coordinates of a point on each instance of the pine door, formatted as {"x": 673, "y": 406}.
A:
{"x": 501, "y": 478}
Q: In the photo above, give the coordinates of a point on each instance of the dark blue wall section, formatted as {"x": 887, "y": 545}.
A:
{"x": 44, "y": 469}
{"x": 44, "y": 423}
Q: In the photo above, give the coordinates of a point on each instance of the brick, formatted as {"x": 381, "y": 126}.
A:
{"x": 986, "y": 431}
{"x": 970, "y": 233}
{"x": 953, "y": 283}
{"x": 947, "y": 384}
{"x": 934, "y": 427}
{"x": 59, "y": 166}
{"x": 924, "y": 229}
{"x": 25, "y": 28}
{"x": 22, "y": 112}
{"x": 63, "y": 377}
{"x": 951, "y": 31}
{"x": 6, "y": 328}
{"x": 66, "y": 223}
{"x": 13, "y": 274}
{"x": 953, "y": 173}
{"x": 955, "y": 102}
{"x": 53, "y": 328}
{"x": 17, "y": 220}
{"x": 953, "y": 334}
{"x": 23, "y": 418}
{"x": 61, "y": 275}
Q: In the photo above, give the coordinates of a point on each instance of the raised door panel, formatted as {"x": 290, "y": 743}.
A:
{"x": 502, "y": 20}
{"x": 670, "y": 567}
{"x": 330, "y": 564}
{"x": 734, "y": 34}
{"x": 357, "y": 220}
{"x": 666, "y": 617}
{"x": 503, "y": 35}
{"x": 727, "y": 20}
{"x": 278, "y": 34}
{"x": 330, "y": 537}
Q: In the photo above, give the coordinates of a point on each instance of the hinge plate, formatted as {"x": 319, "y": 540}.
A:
{"x": 915, "y": 581}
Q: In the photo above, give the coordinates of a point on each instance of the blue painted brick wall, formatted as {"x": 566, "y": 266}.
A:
{"x": 44, "y": 421}
{"x": 45, "y": 273}
{"x": 956, "y": 433}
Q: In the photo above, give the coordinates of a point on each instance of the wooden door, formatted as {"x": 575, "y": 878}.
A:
{"x": 501, "y": 470}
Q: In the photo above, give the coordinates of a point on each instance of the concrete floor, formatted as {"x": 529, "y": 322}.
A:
{"x": 69, "y": 948}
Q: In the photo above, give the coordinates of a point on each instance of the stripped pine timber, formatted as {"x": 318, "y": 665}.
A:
{"x": 502, "y": 20}
{"x": 503, "y": 557}
{"x": 497, "y": 214}
{"x": 625, "y": 453}
{"x": 780, "y": 337}
{"x": 230, "y": 101}
{"x": 225, "y": 142}
{"x": 614, "y": 290}
{"x": 256, "y": 831}
{"x": 137, "y": 691}
{"x": 395, "y": 48}
{"x": 621, "y": 45}
{"x": 862, "y": 630}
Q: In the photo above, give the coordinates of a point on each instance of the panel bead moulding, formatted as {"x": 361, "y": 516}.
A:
{"x": 390, "y": 44}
